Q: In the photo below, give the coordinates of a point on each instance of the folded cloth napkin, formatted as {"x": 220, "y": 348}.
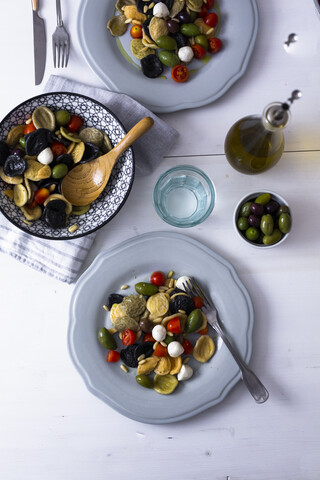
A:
{"x": 63, "y": 259}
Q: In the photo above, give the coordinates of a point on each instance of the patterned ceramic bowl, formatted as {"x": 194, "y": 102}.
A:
{"x": 119, "y": 185}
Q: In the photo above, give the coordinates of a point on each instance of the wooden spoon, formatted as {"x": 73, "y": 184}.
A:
{"x": 84, "y": 183}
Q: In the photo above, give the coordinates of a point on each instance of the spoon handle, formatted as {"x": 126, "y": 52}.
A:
{"x": 136, "y": 132}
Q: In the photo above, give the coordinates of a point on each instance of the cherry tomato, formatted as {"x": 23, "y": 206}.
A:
{"x": 174, "y": 325}
{"x": 198, "y": 302}
{"x": 180, "y": 73}
{"x": 75, "y": 123}
{"x": 214, "y": 45}
{"x": 198, "y": 51}
{"x": 211, "y": 19}
{"x": 113, "y": 356}
{"x": 128, "y": 337}
{"x": 148, "y": 338}
{"x": 160, "y": 351}
{"x": 157, "y": 278}
{"x": 136, "y": 31}
{"x": 210, "y": 4}
{"x": 41, "y": 195}
{"x": 204, "y": 331}
{"x": 203, "y": 12}
{"x": 58, "y": 149}
{"x": 188, "y": 347}
{"x": 29, "y": 128}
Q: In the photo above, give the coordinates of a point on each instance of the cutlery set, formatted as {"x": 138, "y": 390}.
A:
{"x": 60, "y": 42}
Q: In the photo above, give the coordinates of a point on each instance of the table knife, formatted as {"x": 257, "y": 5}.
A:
{"x": 39, "y": 43}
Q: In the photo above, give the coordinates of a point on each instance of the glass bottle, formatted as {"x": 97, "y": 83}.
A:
{"x": 255, "y": 143}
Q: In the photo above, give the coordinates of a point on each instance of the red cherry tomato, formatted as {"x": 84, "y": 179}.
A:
{"x": 203, "y": 12}
{"x": 210, "y": 4}
{"x": 180, "y": 73}
{"x": 188, "y": 347}
{"x": 128, "y": 337}
{"x": 215, "y": 45}
{"x": 160, "y": 351}
{"x": 148, "y": 338}
{"x": 204, "y": 331}
{"x": 136, "y": 31}
{"x": 75, "y": 123}
{"x": 211, "y": 19}
{"x": 41, "y": 195}
{"x": 113, "y": 356}
{"x": 198, "y": 302}
{"x": 29, "y": 128}
{"x": 198, "y": 51}
{"x": 58, "y": 149}
{"x": 157, "y": 278}
{"x": 174, "y": 325}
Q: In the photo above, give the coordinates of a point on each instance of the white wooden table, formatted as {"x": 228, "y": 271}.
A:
{"x": 51, "y": 427}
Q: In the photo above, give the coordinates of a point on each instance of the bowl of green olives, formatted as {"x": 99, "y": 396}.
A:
{"x": 262, "y": 219}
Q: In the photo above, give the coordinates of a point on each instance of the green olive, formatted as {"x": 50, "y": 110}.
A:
{"x": 194, "y": 321}
{"x": 106, "y": 339}
{"x": 202, "y": 40}
{"x": 267, "y": 224}
{"x": 59, "y": 171}
{"x": 22, "y": 142}
{"x": 144, "y": 381}
{"x": 282, "y": 209}
{"x": 245, "y": 210}
{"x": 62, "y": 117}
{"x": 146, "y": 288}
{"x": 189, "y": 29}
{"x": 166, "y": 42}
{"x": 284, "y": 223}
{"x": 169, "y": 339}
{"x": 263, "y": 199}
{"x": 170, "y": 59}
{"x": 243, "y": 223}
{"x": 252, "y": 234}
{"x": 275, "y": 237}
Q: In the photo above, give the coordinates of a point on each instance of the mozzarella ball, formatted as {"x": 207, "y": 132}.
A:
{"x": 185, "y": 373}
{"x": 159, "y": 333}
{"x": 160, "y": 10}
{"x": 185, "y": 54}
{"x": 175, "y": 349}
{"x": 182, "y": 280}
{"x": 46, "y": 156}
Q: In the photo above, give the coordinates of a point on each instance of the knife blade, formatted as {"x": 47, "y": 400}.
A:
{"x": 39, "y": 43}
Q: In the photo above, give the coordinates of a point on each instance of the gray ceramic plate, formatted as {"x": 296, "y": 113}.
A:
{"x": 133, "y": 261}
{"x": 239, "y": 27}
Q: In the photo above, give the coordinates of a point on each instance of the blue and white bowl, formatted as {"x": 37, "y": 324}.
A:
{"x": 94, "y": 114}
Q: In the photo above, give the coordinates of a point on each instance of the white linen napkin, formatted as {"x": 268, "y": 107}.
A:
{"x": 63, "y": 259}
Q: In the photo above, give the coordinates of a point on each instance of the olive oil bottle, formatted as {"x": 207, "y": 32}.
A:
{"x": 255, "y": 143}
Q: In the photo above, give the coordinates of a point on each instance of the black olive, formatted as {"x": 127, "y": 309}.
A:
{"x": 181, "y": 302}
{"x": 181, "y": 40}
{"x": 114, "y": 298}
{"x": 128, "y": 355}
{"x": 54, "y": 214}
{"x": 91, "y": 152}
{"x": 145, "y": 348}
{"x": 176, "y": 290}
{"x": 47, "y": 182}
{"x": 54, "y": 138}
{"x": 37, "y": 141}
{"x": 4, "y": 152}
{"x": 14, "y": 165}
{"x": 64, "y": 158}
{"x": 151, "y": 66}
{"x": 141, "y": 3}
{"x": 145, "y": 25}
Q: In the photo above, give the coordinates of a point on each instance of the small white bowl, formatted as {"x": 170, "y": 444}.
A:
{"x": 251, "y": 197}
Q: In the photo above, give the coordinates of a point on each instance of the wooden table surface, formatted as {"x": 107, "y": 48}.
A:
{"x": 51, "y": 426}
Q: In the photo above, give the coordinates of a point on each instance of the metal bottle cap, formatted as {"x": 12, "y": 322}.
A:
{"x": 277, "y": 114}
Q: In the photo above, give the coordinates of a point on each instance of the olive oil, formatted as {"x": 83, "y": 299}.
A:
{"x": 255, "y": 143}
{"x": 251, "y": 148}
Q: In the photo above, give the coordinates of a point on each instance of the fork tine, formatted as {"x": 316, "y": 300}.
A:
{"x": 67, "y": 53}
{"x": 54, "y": 53}
{"x": 63, "y": 50}
{"x": 201, "y": 293}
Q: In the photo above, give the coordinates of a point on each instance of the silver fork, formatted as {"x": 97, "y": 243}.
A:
{"x": 253, "y": 384}
{"x": 60, "y": 40}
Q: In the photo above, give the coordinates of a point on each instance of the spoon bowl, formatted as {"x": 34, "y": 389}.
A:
{"x": 85, "y": 182}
